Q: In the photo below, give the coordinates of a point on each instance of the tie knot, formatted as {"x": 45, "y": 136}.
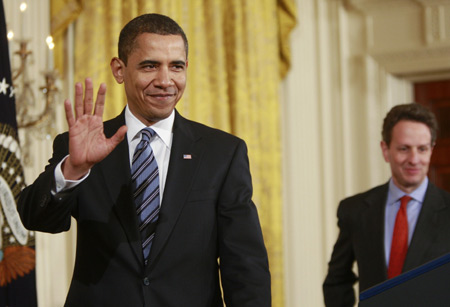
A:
{"x": 404, "y": 200}
{"x": 147, "y": 133}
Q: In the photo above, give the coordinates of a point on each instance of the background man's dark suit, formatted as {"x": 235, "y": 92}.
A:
{"x": 206, "y": 213}
{"x": 361, "y": 238}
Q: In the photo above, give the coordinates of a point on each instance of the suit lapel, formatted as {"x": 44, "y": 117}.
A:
{"x": 373, "y": 226}
{"x": 115, "y": 169}
{"x": 179, "y": 180}
{"x": 426, "y": 229}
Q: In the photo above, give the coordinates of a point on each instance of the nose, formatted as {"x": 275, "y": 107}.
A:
{"x": 163, "y": 78}
{"x": 414, "y": 156}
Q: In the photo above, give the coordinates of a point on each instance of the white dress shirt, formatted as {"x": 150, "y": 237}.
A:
{"x": 161, "y": 143}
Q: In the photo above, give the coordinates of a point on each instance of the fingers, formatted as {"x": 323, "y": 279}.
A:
{"x": 85, "y": 103}
{"x": 69, "y": 113}
{"x": 100, "y": 101}
{"x": 79, "y": 109}
{"x": 88, "y": 96}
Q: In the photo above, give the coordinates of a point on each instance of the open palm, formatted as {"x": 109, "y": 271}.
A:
{"x": 88, "y": 144}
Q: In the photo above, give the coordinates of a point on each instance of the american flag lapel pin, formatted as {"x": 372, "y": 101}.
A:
{"x": 187, "y": 157}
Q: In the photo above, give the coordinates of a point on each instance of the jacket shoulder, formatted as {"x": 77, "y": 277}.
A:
{"x": 356, "y": 204}
{"x": 437, "y": 194}
{"x": 366, "y": 195}
{"x": 206, "y": 132}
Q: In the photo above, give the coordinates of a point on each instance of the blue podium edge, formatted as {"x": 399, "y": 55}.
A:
{"x": 391, "y": 283}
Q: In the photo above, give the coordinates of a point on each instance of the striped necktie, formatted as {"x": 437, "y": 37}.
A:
{"x": 145, "y": 182}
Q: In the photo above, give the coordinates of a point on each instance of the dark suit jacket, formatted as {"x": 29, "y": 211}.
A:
{"x": 207, "y": 220}
{"x": 361, "y": 238}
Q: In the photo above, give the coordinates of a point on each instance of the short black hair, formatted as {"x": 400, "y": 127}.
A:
{"x": 147, "y": 23}
{"x": 412, "y": 112}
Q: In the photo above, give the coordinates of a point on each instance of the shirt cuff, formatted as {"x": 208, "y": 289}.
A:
{"x": 61, "y": 183}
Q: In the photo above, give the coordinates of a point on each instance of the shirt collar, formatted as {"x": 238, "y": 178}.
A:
{"x": 418, "y": 194}
{"x": 163, "y": 128}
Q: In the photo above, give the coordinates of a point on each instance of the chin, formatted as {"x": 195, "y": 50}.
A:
{"x": 414, "y": 183}
{"x": 161, "y": 116}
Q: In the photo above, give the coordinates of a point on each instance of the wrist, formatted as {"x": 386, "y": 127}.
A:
{"x": 73, "y": 172}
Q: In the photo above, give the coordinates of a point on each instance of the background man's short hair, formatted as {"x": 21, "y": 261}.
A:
{"x": 413, "y": 112}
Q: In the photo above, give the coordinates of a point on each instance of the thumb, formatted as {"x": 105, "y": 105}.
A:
{"x": 119, "y": 135}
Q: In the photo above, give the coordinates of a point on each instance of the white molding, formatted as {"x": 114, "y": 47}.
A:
{"x": 418, "y": 43}
{"x": 371, "y": 5}
{"x": 432, "y": 2}
{"x": 375, "y": 5}
{"x": 412, "y": 63}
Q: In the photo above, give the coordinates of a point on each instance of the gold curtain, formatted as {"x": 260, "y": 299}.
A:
{"x": 238, "y": 53}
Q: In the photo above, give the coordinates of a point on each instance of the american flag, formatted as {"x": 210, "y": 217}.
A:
{"x": 17, "y": 254}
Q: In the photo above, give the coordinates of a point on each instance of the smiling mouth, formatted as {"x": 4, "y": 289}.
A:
{"x": 161, "y": 96}
{"x": 413, "y": 171}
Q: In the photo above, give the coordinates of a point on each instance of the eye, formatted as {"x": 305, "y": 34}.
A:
{"x": 424, "y": 148}
{"x": 178, "y": 67}
{"x": 149, "y": 66}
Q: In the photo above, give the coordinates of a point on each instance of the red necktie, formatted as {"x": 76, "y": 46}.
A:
{"x": 399, "y": 245}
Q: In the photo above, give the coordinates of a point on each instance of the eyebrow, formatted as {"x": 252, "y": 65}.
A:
{"x": 179, "y": 62}
{"x": 419, "y": 145}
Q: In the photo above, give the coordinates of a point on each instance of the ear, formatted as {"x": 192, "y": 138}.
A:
{"x": 117, "y": 67}
{"x": 187, "y": 63}
{"x": 385, "y": 150}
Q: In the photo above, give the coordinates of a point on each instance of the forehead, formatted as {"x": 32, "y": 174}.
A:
{"x": 411, "y": 133}
{"x": 151, "y": 43}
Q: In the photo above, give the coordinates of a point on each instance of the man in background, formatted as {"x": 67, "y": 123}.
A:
{"x": 163, "y": 204}
{"x": 397, "y": 226}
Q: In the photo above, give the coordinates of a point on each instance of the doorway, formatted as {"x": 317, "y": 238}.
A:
{"x": 436, "y": 96}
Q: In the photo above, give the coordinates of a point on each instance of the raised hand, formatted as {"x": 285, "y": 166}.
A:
{"x": 88, "y": 144}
